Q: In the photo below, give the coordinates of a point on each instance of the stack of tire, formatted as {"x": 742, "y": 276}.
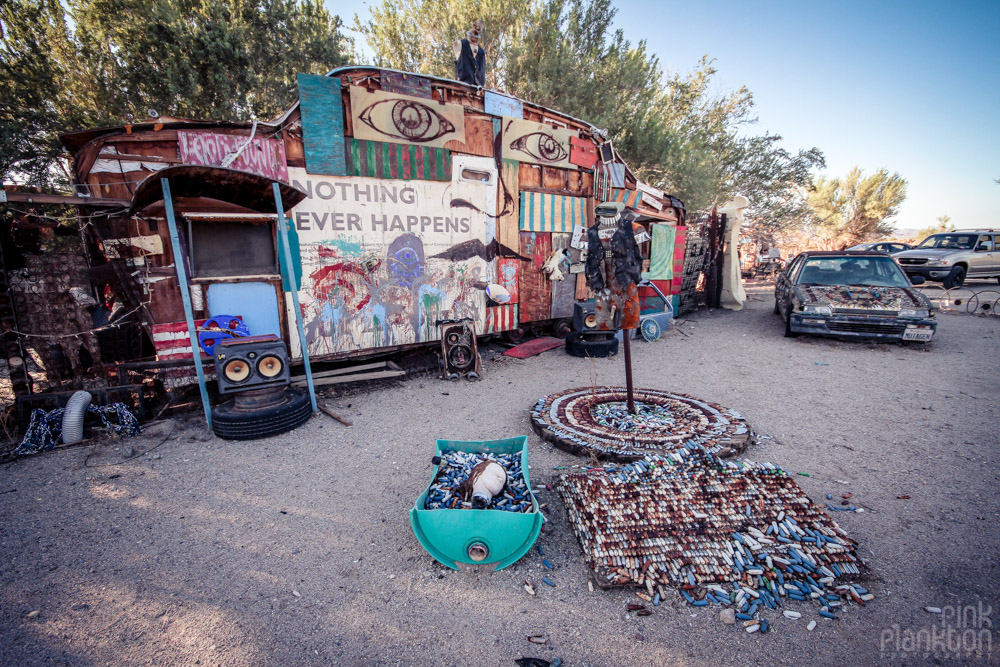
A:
{"x": 232, "y": 421}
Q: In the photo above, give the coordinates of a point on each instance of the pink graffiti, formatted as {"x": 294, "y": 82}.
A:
{"x": 264, "y": 157}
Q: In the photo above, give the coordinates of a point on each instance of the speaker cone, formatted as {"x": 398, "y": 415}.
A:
{"x": 236, "y": 370}
{"x": 270, "y": 366}
{"x": 590, "y": 321}
{"x": 461, "y": 357}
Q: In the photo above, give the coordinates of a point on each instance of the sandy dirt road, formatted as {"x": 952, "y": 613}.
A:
{"x": 297, "y": 550}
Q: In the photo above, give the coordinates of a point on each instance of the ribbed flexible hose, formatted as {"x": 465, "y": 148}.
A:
{"x": 72, "y": 422}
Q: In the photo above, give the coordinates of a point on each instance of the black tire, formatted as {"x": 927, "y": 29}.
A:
{"x": 232, "y": 424}
{"x": 581, "y": 345}
{"x": 956, "y": 278}
{"x": 788, "y": 326}
{"x": 562, "y": 328}
{"x": 514, "y": 335}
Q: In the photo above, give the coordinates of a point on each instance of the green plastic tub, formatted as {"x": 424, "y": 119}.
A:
{"x": 478, "y": 537}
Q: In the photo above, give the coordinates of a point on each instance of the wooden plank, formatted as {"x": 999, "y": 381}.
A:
{"x": 378, "y": 375}
{"x": 529, "y": 175}
{"x": 406, "y": 84}
{"x": 554, "y": 178}
{"x": 145, "y": 137}
{"x": 508, "y": 269}
{"x": 61, "y": 200}
{"x": 478, "y": 138}
{"x": 121, "y": 157}
{"x": 502, "y": 105}
{"x": 533, "y": 285}
{"x": 563, "y": 291}
{"x": 344, "y": 371}
{"x": 508, "y": 204}
{"x": 322, "y": 124}
{"x": 582, "y": 292}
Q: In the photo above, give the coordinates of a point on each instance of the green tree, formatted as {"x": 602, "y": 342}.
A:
{"x": 206, "y": 59}
{"x": 39, "y": 95}
{"x": 417, "y": 35}
{"x": 855, "y": 209}
{"x": 943, "y": 225}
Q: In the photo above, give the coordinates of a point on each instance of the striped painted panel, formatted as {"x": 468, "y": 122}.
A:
{"x": 171, "y": 341}
{"x": 379, "y": 159}
{"x": 501, "y": 318}
{"x": 628, "y": 197}
{"x": 661, "y": 253}
{"x": 542, "y": 212}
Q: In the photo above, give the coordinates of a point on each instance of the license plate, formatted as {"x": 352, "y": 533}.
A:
{"x": 917, "y": 335}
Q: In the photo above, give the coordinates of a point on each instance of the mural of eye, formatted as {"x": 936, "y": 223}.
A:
{"x": 540, "y": 146}
{"x": 406, "y": 119}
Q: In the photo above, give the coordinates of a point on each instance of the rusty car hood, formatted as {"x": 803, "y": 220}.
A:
{"x": 862, "y": 299}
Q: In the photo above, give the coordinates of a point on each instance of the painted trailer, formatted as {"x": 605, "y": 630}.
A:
{"x": 418, "y": 192}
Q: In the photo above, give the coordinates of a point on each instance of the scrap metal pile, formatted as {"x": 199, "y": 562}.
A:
{"x": 597, "y": 422}
{"x": 455, "y": 468}
{"x": 723, "y": 532}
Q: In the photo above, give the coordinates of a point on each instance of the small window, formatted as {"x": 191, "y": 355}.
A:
{"x": 231, "y": 248}
{"x": 477, "y": 176}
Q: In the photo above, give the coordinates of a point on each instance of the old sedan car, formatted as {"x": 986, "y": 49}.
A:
{"x": 852, "y": 295}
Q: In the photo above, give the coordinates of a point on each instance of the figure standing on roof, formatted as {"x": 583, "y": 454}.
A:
{"x": 470, "y": 57}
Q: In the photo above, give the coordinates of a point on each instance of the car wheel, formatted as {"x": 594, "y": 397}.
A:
{"x": 579, "y": 345}
{"x": 776, "y": 311}
{"x": 788, "y": 326}
{"x": 230, "y": 423}
{"x": 955, "y": 278}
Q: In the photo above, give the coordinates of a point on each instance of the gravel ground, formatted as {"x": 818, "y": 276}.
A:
{"x": 297, "y": 550}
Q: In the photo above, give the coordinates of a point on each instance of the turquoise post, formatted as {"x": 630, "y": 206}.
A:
{"x": 182, "y": 282}
{"x": 288, "y": 273}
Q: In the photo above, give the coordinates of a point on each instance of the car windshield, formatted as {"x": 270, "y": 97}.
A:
{"x": 875, "y": 271}
{"x": 952, "y": 241}
{"x": 861, "y": 246}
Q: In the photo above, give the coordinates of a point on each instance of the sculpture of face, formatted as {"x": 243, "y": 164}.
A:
{"x": 405, "y": 259}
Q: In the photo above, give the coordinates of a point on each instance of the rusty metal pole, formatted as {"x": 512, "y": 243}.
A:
{"x": 628, "y": 370}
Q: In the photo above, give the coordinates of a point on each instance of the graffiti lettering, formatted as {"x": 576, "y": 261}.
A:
{"x": 265, "y": 157}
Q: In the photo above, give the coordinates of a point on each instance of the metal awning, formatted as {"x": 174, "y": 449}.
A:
{"x": 226, "y": 185}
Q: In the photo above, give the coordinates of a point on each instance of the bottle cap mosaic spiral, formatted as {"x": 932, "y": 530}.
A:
{"x": 597, "y": 421}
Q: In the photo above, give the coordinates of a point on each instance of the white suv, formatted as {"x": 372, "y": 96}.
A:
{"x": 951, "y": 257}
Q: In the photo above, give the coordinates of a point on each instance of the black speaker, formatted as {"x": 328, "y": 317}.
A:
{"x": 256, "y": 362}
{"x": 584, "y": 317}
{"x": 459, "y": 352}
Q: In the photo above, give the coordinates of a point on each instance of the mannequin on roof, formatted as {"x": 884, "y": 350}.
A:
{"x": 470, "y": 57}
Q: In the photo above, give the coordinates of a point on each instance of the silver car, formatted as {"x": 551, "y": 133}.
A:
{"x": 951, "y": 257}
